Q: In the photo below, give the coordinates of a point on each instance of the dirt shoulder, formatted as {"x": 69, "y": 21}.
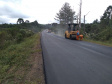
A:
{"x": 35, "y": 75}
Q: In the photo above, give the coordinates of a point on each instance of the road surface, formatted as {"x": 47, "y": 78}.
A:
{"x": 75, "y": 62}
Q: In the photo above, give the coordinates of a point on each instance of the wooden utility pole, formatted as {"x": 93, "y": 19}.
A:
{"x": 84, "y": 24}
{"x": 77, "y": 19}
{"x": 80, "y": 14}
{"x": 84, "y": 21}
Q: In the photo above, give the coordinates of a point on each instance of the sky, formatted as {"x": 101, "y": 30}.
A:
{"x": 44, "y": 11}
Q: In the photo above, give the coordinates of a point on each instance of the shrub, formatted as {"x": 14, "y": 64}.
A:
{"x": 29, "y": 33}
{"x": 19, "y": 37}
{"x": 13, "y": 35}
{"x": 23, "y": 32}
{"x": 3, "y": 35}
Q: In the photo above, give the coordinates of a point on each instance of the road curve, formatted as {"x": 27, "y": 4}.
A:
{"x": 75, "y": 62}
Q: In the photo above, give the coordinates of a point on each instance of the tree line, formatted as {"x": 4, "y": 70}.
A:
{"x": 16, "y": 33}
{"x": 101, "y": 30}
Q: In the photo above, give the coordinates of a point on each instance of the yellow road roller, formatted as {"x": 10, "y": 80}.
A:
{"x": 73, "y": 32}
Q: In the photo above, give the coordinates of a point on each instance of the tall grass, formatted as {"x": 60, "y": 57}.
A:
{"x": 13, "y": 58}
{"x": 13, "y": 35}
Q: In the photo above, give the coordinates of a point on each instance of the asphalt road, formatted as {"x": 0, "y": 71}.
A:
{"x": 75, "y": 62}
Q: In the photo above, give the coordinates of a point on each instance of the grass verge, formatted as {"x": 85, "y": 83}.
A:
{"x": 105, "y": 43}
{"x": 18, "y": 62}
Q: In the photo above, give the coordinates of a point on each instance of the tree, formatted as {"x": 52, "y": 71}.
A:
{"x": 95, "y": 21}
{"x": 20, "y": 20}
{"x": 27, "y": 21}
{"x": 65, "y": 15}
{"x": 108, "y": 13}
{"x": 107, "y": 16}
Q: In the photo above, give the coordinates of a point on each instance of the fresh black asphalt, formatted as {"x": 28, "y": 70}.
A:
{"x": 75, "y": 62}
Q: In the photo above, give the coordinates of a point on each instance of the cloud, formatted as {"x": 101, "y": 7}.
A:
{"x": 4, "y": 20}
{"x": 11, "y": 12}
{"x": 44, "y": 11}
{"x": 13, "y": 1}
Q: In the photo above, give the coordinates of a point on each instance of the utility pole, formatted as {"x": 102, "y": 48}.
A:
{"x": 80, "y": 14}
{"x": 84, "y": 24}
{"x": 84, "y": 21}
{"x": 77, "y": 19}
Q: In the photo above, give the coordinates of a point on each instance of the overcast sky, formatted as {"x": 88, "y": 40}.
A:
{"x": 44, "y": 11}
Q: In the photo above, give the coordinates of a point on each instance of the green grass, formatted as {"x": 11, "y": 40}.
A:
{"x": 14, "y": 60}
{"x": 105, "y": 43}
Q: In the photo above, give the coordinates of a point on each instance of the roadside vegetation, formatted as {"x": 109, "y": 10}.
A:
{"x": 20, "y": 54}
{"x": 100, "y": 31}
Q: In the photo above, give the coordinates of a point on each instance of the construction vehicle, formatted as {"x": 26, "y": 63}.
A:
{"x": 73, "y": 32}
{"x": 49, "y": 31}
